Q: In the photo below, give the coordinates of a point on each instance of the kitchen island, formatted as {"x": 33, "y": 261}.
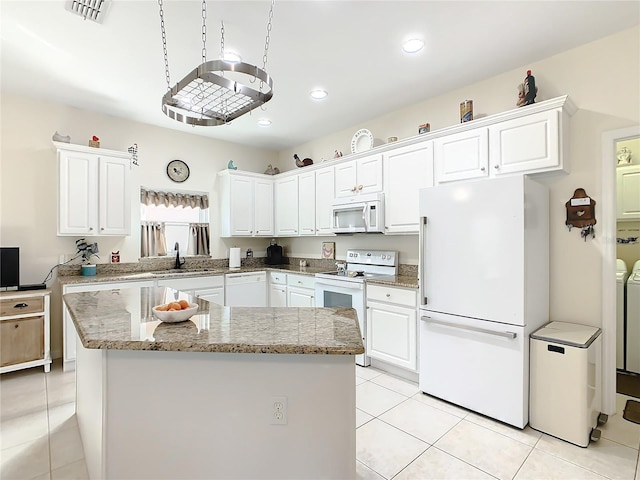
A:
{"x": 231, "y": 393}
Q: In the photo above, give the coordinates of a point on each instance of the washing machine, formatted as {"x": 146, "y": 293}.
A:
{"x": 621, "y": 293}
{"x": 633, "y": 319}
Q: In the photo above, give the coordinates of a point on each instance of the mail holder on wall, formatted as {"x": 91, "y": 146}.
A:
{"x": 581, "y": 213}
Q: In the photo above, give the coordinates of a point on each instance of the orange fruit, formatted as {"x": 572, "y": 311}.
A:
{"x": 175, "y": 306}
{"x": 162, "y": 308}
{"x": 184, "y": 304}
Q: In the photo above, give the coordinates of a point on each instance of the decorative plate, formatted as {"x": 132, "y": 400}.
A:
{"x": 361, "y": 141}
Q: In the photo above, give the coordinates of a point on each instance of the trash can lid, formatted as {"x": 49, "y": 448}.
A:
{"x": 572, "y": 334}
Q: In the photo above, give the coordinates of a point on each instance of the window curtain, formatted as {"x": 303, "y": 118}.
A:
{"x": 198, "y": 239}
{"x": 150, "y": 197}
{"x": 153, "y": 242}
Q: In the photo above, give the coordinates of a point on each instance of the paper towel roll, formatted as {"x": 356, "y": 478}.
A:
{"x": 234, "y": 258}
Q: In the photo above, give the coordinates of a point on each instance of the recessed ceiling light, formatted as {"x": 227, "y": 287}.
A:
{"x": 318, "y": 94}
{"x": 264, "y": 122}
{"x": 232, "y": 57}
{"x": 413, "y": 45}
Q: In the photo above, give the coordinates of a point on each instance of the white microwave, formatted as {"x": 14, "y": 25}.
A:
{"x": 358, "y": 214}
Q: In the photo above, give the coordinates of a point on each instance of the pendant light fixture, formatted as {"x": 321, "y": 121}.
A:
{"x": 217, "y": 91}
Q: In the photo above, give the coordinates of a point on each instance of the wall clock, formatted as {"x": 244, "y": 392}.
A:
{"x": 177, "y": 170}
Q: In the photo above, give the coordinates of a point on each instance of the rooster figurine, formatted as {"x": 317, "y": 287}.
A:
{"x": 302, "y": 163}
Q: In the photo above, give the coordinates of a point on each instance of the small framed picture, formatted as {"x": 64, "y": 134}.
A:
{"x": 329, "y": 250}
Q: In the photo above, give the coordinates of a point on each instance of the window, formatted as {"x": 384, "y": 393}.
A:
{"x": 178, "y": 217}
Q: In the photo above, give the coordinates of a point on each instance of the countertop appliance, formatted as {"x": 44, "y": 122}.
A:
{"x": 484, "y": 287}
{"x": 274, "y": 254}
{"x": 345, "y": 288}
{"x": 246, "y": 289}
{"x": 358, "y": 214}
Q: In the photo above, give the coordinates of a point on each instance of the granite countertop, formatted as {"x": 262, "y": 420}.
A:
{"x": 408, "y": 281}
{"x": 122, "y": 320}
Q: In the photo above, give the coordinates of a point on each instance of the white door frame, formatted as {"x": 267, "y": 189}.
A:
{"x": 608, "y": 203}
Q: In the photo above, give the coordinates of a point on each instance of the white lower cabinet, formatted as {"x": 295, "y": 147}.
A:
{"x": 392, "y": 325}
{"x": 301, "y": 291}
{"x": 210, "y": 288}
{"x": 277, "y": 289}
{"x": 69, "y": 329}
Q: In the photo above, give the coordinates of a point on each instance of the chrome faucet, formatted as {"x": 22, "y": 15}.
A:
{"x": 178, "y": 262}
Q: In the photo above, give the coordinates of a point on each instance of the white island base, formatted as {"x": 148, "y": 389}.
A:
{"x": 187, "y": 415}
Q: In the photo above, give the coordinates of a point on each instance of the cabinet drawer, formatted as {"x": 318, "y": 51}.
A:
{"x": 401, "y": 296}
{"x": 192, "y": 283}
{"x": 278, "y": 278}
{"x": 21, "y": 306}
{"x": 302, "y": 281}
{"x": 21, "y": 340}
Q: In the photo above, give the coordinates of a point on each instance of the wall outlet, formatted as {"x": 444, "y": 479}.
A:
{"x": 278, "y": 411}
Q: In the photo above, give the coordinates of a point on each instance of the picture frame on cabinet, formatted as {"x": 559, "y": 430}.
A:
{"x": 329, "y": 250}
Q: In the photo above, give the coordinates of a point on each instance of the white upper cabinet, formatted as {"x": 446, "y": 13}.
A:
{"x": 325, "y": 184}
{"x": 94, "y": 191}
{"x": 307, "y": 203}
{"x": 246, "y": 204}
{"x": 526, "y": 144}
{"x": 628, "y": 192}
{"x": 286, "y": 206}
{"x": 462, "y": 155}
{"x": 363, "y": 175}
{"x": 406, "y": 171}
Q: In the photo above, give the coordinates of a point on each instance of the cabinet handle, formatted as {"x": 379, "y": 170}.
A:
{"x": 482, "y": 169}
{"x": 90, "y": 229}
{"x": 359, "y": 187}
{"x": 388, "y": 295}
{"x": 21, "y": 305}
{"x": 497, "y": 167}
{"x": 102, "y": 228}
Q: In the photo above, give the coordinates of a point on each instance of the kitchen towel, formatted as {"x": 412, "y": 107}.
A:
{"x": 234, "y": 257}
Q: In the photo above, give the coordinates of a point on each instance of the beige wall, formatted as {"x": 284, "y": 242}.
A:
{"x": 603, "y": 80}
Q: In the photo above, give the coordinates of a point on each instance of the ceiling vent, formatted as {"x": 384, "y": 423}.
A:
{"x": 89, "y": 9}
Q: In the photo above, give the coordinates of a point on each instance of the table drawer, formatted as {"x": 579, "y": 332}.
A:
{"x": 401, "y": 296}
{"x": 21, "y": 306}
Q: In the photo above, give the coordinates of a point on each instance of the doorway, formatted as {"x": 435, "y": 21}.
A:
{"x": 610, "y": 142}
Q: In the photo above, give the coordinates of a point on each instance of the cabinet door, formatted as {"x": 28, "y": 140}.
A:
{"x": 21, "y": 340}
{"x": 263, "y": 208}
{"x": 406, "y": 171}
{"x": 242, "y": 203}
{"x": 526, "y": 144}
{"x": 369, "y": 174}
{"x": 628, "y": 192}
{"x": 77, "y": 194}
{"x": 300, "y": 297}
{"x": 307, "y": 203}
{"x": 213, "y": 295}
{"x": 115, "y": 196}
{"x": 325, "y": 179}
{"x": 391, "y": 334}
{"x": 345, "y": 179}
{"x": 278, "y": 296}
{"x": 461, "y": 156}
{"x": 286, "y": 206}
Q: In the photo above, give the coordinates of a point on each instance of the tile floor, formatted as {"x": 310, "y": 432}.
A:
{"x": 401, "y": 434}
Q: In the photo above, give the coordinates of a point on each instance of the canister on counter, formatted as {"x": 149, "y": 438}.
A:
{"x": 466, "y": 111}
{"x": 424, "y": 128}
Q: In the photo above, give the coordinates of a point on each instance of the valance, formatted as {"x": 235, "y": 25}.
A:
{"x": 150, "y": 197}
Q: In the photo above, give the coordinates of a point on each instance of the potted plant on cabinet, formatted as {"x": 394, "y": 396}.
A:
{"x": 86, "y": 251}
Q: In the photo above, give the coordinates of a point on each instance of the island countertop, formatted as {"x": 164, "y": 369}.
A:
{"x": 123, "y": 320}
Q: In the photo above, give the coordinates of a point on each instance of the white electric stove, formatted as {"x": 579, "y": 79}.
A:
{"x": 345, "y": 288}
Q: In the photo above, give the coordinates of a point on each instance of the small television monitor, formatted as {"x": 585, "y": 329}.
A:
{"x": 9, "y": 267}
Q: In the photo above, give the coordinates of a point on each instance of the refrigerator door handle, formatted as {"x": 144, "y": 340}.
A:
{"x": 509, "y": 335}
{"x": 421, "y": 260}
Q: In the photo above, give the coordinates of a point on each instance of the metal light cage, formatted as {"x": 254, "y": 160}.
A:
{"x": 205, "y": 97}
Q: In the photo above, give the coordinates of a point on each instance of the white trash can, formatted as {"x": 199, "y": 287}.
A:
{"x": 565, "y": 376}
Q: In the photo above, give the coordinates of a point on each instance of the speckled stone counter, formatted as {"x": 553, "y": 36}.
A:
{"x": 123, "y": 320}
{"x": 204, "y": 399}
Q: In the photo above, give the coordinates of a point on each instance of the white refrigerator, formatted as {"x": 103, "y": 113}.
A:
{"x": 484, "y": 287}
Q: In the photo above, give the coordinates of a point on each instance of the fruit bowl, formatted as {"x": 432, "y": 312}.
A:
{"x": 174, "y": 316}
